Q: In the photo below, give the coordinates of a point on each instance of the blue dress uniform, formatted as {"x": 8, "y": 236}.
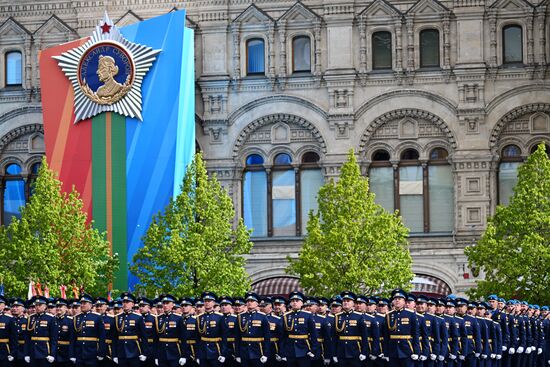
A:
{"x": 443, "y": 336}
{"x": 453, "y": 335}
{"x": 130, "y": 335}
{"x": 498, "y": 343}
{"x": 473, "y": 334}
{"x": 501, "y": 317}
{"x": 325, "y": 343}
{"x": 275, "y": 332}
{"x": 513, "y": 330}
{"x": 88, "y": 336}
{"x": 432, "y": 332}
{"x": 253, "y": 335}
{"x": 380, "y": 318}
{"x": 64, "y": 336}
{"x": 299, "y": 335}
{"x": 21, "y": 328}
{"x": 8, "y": 337}
{"x": 149, "y": 321}
{"x": 401, "y": 335}
{"x": 190, "y": 333}
{"x": 462, "y": 336}
{"x": 230, "y": 322}
{"x": 41, "y": 339}
{"x": 213, "y": 336}
{"x": 170, "y": 331}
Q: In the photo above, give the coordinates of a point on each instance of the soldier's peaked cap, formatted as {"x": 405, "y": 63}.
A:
{"x": 398, "y": 293}
{"x": 208, "y": 296}
{"x": 296, "y": 295}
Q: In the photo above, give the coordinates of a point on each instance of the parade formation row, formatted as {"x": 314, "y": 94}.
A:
{"x": 346, "y": 331}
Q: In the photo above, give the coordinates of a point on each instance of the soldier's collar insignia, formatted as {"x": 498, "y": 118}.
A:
{"x": 107, "y": 72}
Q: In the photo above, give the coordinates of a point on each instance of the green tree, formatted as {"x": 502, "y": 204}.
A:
{"x": 352, "y": 242}
{"x": 53, "y": 243}
{"x": 192, "y": 246}
{"x": 514, "y": 251}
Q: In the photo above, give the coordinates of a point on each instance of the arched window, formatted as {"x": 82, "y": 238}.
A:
{"x": 381, "y": 179}
{"x": 381, "y": 51}
{"x": 255, "y": 195}
{"x": 277, "y": 202}
{"x": 440, "y": 192}
{"x": 536, "y": 146}
{"x": 510, "y": 161}
{"x": 512, "y": 44}
{"x": 255, "y": 56}
{"x": 14, "y": 69}
{"x": 13, "y": 193}
{"x": 301, "y": 54}
{"x": 429, "y": 48}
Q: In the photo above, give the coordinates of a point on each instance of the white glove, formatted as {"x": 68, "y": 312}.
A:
{"x": 452, "y": 356}
{"x": 238, "y": 359}
{"x": 387, "y": 359}
{"x": 182, "y": 361}
{"x": 493, "y": 355}
{"x": 310, "y": 355}
{"x": 283, "y": 359}
{"x": 520, "y": 350}
{"x": 156, "y": 361}
{"x": 50, "y": 359}
{"x": 461, "y": 357}
{"x": 381, "y": 355}
{"x": 504, "y": 347}
{"x": 326, "y": 361}
{"x": 484, "y": 356}
{"x": 74, "y": 360}
{"x": 335, "y": 359}
{"x": 115, "y": 360}
{"x": 423, "y": 358}
{"x": 362, "y": 357}
{"x": 433, "y": 357}
{"x": 263, "y": 359}
{"x": 277, "y": 358}
{"x": 414, "y": 357}
{"x": 10, "y": 358}
{"x": 528, "y": 350}
{"x": 549, "y": 362}
{"x": 539, "y": 351}
{"x": 511, "y": 350}
{"x": 221, "y": 359}
{"x": 99, "y": 358}
{"x": 372, "y": 357}
{"x": 499, "y": 356}
{"x": 477, "y": 355}
{"x": 142, "y": 358}
{"x": 198, "y": 361}
{"x": 27, "y": 359}
{"x": 440, "y": 358}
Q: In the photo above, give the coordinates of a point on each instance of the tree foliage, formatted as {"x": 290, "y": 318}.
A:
{"x": 352, "y": 242}
{"x": 514, "y": 251}
{"x": 53, "y": 243}
{"x": 192, "y": 246}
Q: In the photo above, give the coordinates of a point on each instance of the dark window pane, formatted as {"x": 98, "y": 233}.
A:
{"x": 439, "y": 153}
{"x": 254, "y": 159}
{"x": 381, "y": 155}
{"x": 284, "y": 203}
{"x": 13, "y": 68}
{"x": 429, "y": 48}
{"x": 381, "y": 50}
{"x": 35, "y": 168}
{"x": 13, "y": 169}
{"x": 14, "y": 199}
{"x": 512, "y": 44}
{"x": 536, "y": 146}
{"x": 310, "y": 157}
{"x": 255, "y": 202}
{"x": 409, "y": 155}
{"x": 301, "y": 50}
{"x": 511, "y": 151}
{"x": 256, "y": 58}
{"x": 282, "y": 159}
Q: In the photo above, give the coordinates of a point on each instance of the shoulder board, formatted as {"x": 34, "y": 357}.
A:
{"x": 69, "y": 317}
{"x": 95, "y": 313}
{"x": 419, "y": 315}
{"x": 135, "y": 313}
{"x": 358, "y": 313}
{"x": 218, "y": 313}
{"x": 109, "y": 315}
{"x": 496, "y": 323}
{"x": 330, "y": 315}
{"x": 338, "y": 314}
{"x": 286, "y": 313}
{"x": 47, "y": 313}
{"x": 391, "y": 311}
{"x": 439, "y": 317}
{"x": 275, "y": 316}
{"x": 7, "y": 315}
{"x": 369, "y": 315}
{"x": 458, "y": 317}
{"x": 322, "y": 316}
{"x": 260, "y": 312}
{"x": 200, "y": 314}
{"x": 380, "y": 314}
{"x": 306, "y": 311}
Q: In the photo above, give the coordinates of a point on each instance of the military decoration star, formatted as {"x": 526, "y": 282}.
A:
{"x": 107, "y": 73}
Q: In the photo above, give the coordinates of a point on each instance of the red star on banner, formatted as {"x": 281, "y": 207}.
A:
{"x": 105, "y": 28}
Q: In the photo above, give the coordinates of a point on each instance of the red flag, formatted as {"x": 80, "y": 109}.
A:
{"x": 63, "y": 290}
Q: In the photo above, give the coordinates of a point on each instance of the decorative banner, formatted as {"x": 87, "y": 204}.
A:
{"x": 119, "y": 123}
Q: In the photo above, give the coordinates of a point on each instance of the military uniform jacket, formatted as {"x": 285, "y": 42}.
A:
{"x": 232, "y": 331}
{"x": 275, "y": 332}
{"x": 462, "y": 336}
{"x": 473, "y": 334}
{"x": 498, "y": 343}
{"x": 149, "y": 335}
{"x": 8, "y": 337}
{"x": 324, "y": 337}
{"x": 502, "y": 319}
{"x": 373, "y": 331}
{"x": 540, "y": 332}
{"x": 513, "y": 329}
{"x": 170, "y": 330}
{"x": 453, "y": 334}
{"x": 109, "y": 326}
{"x": 190, "y": 336}
{"x": 253, "y": 335}
{"x": 41, "y": 337}
{"x": 380, "y": 319}
{"x": 443, "y": 336}
{"x": 21, "y": 328}
{"x": 425, "y": 349}
{"x": 213, "y": 336}
{"x": 484, "y": 331}
{"x": 88, "y": 336}
{"x": 130, "y": 335}
{"x": 401, "y": 334}
{"x": 64, "y": 330}
{"x": 492, "y": 337}
{"x": 299, "y": 334}
{"x": 432, "y": 329}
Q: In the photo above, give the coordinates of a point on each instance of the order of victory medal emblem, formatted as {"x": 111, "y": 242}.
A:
{"x": 107, "y": 72}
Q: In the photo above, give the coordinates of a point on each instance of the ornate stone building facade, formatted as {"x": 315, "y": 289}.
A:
{"x": 442, "y": 100}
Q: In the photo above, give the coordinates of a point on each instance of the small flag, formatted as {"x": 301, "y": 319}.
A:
{"x": 38, "y": 289}
{"x": 31, "y": 293}
{"x": 63, "y": 290}
{"x": 75, "y": 291}
{"x": 46, "y": 291}
{"x": 109, "y": 296}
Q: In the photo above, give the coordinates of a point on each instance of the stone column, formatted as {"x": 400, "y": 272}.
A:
{"x": 317, "y": 37}
{"x": 282, "y": 49}
{"x": 362, "y": 47}
{"x": 235, "y": 32}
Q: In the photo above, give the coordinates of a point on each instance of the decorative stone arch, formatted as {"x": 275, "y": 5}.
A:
{"x": 513, "y": 114}
{"x": 406, "y": 145}
{"x": 272, "y": 119}
{"x": 436, "y": 270}
{"x": 11, "y": 160}
{"x": 510, "y": 140}
{"x": 20, "y": 131}
{"x": 436, "y": 143}
{"x": 400, "y": 114}
{"x": 307, "y": 148}
{"x": 252, "y": 150}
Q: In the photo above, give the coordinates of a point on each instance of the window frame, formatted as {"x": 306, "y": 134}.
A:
{"x": 247, "y": 42}
{"x": 294, "y": 38}
{"x": 503, "y": 40}
{"x": 374, "y": 53}
{"x": 506, "y": 159}
{"x": 420, "y": 49}
{"x": 4, "y": 178}
{"x": 6, "y": 55}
